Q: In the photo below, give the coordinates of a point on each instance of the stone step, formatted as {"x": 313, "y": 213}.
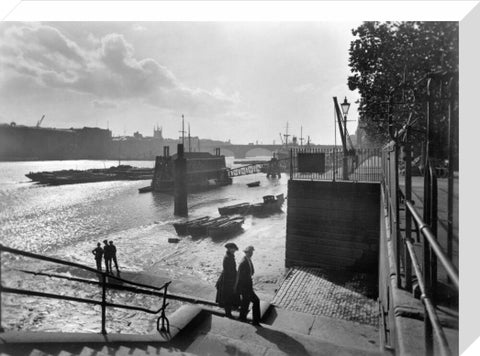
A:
{"x": 220, "y": 336}
{"x": 37, "y": 352}
{"x": 87, "y": 351}
{"x": 337, "y": 331}
{"x": 15, "y": 343}
{"x": 65, "y": 353}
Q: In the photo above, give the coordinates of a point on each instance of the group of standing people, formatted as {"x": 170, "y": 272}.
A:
{"x": 235, "y": 288}
{"x": 109, "y": 254}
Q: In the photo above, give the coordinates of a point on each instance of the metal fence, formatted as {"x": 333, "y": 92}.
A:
{"x": 404, "y": 220}
{"x": 102, "y": 283}
{"x": 332, "y": 164}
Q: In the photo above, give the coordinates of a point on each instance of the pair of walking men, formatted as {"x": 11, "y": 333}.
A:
{"x": 236, "y": 288}
{"x": 109, "y": 253}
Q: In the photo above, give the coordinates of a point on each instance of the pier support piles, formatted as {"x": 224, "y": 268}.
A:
{"x": 180, "y": 183}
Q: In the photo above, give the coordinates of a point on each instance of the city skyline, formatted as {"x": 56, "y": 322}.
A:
{"x": 245, "y": 80}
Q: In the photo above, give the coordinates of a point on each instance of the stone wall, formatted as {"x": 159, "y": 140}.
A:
{"x": 333, "y": 225}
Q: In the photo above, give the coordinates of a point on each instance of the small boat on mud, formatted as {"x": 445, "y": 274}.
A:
{"x": 240, "y": 209}
{"x": 182, "y": 228}
{"x": 146, "y": 189}
{"x": 227, "y": 228}
{"x": 253, "y": 184}
{"x": 271, "y": 204}
{"x": 201, "y": 228}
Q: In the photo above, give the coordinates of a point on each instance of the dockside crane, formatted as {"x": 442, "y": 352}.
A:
{"x": 39, "y": 122}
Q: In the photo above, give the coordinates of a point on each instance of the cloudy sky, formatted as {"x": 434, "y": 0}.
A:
{"x": 240, "y": 81}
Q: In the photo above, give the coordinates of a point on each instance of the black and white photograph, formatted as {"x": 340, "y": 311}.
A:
{"x": 261, "y": 183}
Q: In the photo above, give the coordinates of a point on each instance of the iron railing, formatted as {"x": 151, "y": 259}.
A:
{"x": 402, "y": 212}
{"x": 254, "y": 168}
{"x": 102, "y": 283}
{"x": 364, "y": 165}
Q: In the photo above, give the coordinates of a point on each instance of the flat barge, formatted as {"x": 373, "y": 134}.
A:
{"x": 72, "y": 176}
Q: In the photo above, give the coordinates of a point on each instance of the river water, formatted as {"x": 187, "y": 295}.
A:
{"x": 67, "y": 221}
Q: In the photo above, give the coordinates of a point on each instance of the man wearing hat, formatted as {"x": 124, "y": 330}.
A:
{"x": 244, "y": 287}
{"x": 226, "y": 296}
{"x": 98, "y": 253}
{"x": 107, "y": 256}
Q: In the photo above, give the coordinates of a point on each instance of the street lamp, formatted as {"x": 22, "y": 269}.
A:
{"x": 345, "y": 106}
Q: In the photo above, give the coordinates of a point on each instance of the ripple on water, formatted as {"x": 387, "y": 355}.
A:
{"x": 67, "y": 222}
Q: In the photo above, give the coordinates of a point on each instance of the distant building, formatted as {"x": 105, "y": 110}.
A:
{"x": 19, "y": 142}
{"x": 157, "y": 133}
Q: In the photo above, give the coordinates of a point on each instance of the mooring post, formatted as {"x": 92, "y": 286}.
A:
{"x": 1, "y": 287}
{"x": 104, "y": 302}
{"x": 180, "y": 183}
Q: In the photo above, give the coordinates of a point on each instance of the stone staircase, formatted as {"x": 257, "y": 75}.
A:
{"x": 197, "y": 331}
{"x": 282, "y": 333}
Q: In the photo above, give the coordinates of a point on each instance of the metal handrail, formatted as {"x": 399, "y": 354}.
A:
{"x": 102, "y": 283}
{"x": 429, "y": 305}
{"x": 424, "y": 277}
{"x": 427, "y": 233}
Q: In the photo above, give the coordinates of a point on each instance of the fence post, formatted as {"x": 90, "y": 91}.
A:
{"x": 291, "y": 163}
{"x": 395, "y": 214}
{"x": 104, "y": 303}
{"x": 164, "y": 305}
{"x": 433, "y": 227}
{"x": 427, "y": 218}
{"x": 334, "y": 162}
{"x": 1, "y": 287}
{"x": 408, "y": 216}
{"x": 452, "y": 124}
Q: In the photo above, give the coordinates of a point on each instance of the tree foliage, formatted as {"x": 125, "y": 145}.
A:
{"x": 389, "y": 62}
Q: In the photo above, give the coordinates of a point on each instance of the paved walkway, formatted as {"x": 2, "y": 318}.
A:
{"x": 337, "y": 295}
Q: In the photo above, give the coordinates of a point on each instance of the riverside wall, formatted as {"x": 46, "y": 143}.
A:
{"x": 333, "y": 225}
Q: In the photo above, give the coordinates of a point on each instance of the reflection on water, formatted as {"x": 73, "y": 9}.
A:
{"x": 67, "y": 222}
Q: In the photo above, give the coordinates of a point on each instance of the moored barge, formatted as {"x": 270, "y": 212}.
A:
{"x": 72, "y": 176}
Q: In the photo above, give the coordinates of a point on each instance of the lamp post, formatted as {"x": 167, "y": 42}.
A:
{"x": 345, "y": 107}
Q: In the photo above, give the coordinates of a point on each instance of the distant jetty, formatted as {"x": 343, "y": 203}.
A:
{"x": 71, "y": 176}
{"x": 204, "y": 171}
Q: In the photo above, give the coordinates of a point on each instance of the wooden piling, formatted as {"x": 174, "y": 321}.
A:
{"x": 180, "y": 183}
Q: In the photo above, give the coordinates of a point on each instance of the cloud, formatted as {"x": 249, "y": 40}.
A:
{"x": 108, "y": 69}
{"x": 139, "y": 28}
{"x": 103, "y": 105}
{"x": 304, "y": 88}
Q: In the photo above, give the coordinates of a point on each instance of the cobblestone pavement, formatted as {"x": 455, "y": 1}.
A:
{"x": 314, "y": 291}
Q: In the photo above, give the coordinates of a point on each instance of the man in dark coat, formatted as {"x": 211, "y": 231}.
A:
{"x": 98, "y": 253}
{"x": 113, "y": 256}
{"x": 244, "y": 287}
{"x": 107, "y": 256}
{"x": 226, "y": 296}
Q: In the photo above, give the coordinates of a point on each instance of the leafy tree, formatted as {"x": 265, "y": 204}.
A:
{"x": 389, "y": 62}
